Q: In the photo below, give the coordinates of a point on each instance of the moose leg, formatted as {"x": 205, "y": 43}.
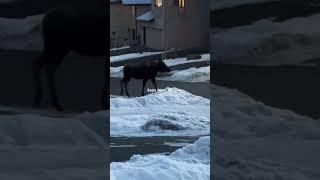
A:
{"x": 126, "y": 81}
{"x": 153, "y": 80}
{"x": 50, "y": 73}
{"x": 144, "y": 84}
{"x": 121, "y": 85}
{"x": 37, "y": 66}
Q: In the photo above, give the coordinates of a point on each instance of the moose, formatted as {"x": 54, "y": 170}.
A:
{"x": 142, "y": 70}
{"x": 80, "y": 28}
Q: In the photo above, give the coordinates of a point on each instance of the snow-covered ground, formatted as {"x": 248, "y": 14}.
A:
{"x": 187, "y": 75}
{"x": 124, "y": 47}
{"x": 201, "y": 74}
{"x": 255, "y": 141}
{"x": 21, "y": 34}
{"x": 191, "y": 162}
{"x": 169, "y": 112}
{"x": 221, "y": 4}
{"x": 125, "y": 57}
{"x": 270, "y": 43}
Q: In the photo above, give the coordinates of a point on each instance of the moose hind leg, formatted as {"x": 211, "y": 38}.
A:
{"x": 126, "y": 81}
{"x": 37, "y": 66}
{"x": 143, "y": 86}
{"x": 51, "y": 69}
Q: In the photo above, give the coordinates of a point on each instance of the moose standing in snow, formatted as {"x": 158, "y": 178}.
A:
{"x": 81, "y": 28}
{"x": 143, "y": 70}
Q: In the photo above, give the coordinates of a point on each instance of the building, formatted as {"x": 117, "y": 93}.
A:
{"x": 123, "y": 14}
{"x": 175, "y": 24}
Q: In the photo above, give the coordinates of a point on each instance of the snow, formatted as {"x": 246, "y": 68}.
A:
{"x": 178, "y": 61}
{"x": 131, "y": 56}
{"x": 201, "y": 74}
{"x": 21, "y": 34}
{"x": 269, "y": 42}
{"x": 124, "y": 47}
{"x": 178, "y": 110}
{"x": 255, "y": 141}
{"x": 221, "y": 4}
{"x": 191, "y": 162}
{"x": 148, "y": 16}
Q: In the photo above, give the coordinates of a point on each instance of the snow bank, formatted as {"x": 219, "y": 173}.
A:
{"x": 190, "y": 75}
{"x": 188, "y": 163}
{"x": 131, "y": 56}
{"x": 179, "y": 61}
{"x": 292, "y": 40}
{"x": 221, "y": 4}
{"x": 124, "y": 47}
{"x": 169, "y": 112}
{"x": 21, "y": 34}
{"x": 255, "y": 141}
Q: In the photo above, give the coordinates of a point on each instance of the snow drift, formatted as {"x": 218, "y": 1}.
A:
{"x": 168, "y": 112}
{"x": 188, "y": 163}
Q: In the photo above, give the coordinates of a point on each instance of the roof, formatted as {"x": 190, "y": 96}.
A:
{"x": 134, "y": 2}
{"x": 148, "y": 16}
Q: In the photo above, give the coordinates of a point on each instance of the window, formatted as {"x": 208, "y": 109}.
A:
{"x": 181, "y": 3}
{"x": 158, "y": 3}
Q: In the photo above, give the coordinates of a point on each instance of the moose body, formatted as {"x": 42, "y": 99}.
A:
{"x": 81, "y": 28}
{"x": 143, "y": 70}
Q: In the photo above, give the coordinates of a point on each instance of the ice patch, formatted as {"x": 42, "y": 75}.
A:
{"x": 188, "y": 163}
{"x": 174, "y": 108}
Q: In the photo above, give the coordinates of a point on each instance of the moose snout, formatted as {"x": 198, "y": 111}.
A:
{"x": 168, "y": 69}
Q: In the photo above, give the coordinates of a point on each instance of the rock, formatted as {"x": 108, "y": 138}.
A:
{"x": 162, "y": 125}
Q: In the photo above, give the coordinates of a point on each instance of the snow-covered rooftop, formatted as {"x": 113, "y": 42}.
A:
{"x": 133, "y": 2}
{"x": 148, "y": 16}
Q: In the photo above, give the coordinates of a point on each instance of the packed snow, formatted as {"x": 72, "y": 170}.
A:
{"x": 191, "y": 162}
{"x": 221, "y": 4}
{"x": 168, "y": 112}
{"x": 201, "y": 74}
{"x": 21, "y": 34}
{"x": 268, "y": 42}
{"x": 255, "y": 141}
{"x": 131, "y": 56}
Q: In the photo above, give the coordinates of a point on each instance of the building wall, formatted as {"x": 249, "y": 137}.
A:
{"x": 121, "y": 19}
{"x": 183, "y": 30}
{"x": 188, "y": 28}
